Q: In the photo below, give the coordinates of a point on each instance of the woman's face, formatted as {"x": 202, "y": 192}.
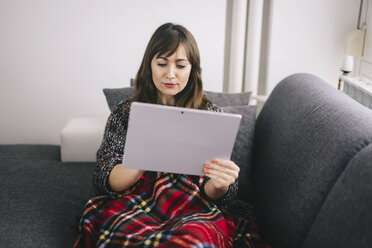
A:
{"x": 170, "y": 74}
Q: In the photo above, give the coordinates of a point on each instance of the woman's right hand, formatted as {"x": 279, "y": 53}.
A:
{"x": 122, "y": 178}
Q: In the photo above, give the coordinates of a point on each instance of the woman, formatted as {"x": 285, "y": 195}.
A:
{"x": 138, "y": 208}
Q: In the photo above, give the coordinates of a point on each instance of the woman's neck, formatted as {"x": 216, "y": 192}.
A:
{"x": 166, "y": 100}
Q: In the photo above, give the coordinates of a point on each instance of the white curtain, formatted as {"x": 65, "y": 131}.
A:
{"x": 243, "y": 45}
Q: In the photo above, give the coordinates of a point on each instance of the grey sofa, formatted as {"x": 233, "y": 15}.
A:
{"x": 312, "y": 176}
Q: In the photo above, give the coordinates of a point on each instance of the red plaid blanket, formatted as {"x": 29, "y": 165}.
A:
{"x": 162, "y": 210}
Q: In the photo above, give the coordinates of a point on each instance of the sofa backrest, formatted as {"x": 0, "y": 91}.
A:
{"x": 308, "y": 137}
{"x": 115, "y": 95}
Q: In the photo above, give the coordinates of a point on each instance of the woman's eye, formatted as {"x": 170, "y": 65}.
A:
{"x": 181, "y": 66}
{"x": 162, "y": 65}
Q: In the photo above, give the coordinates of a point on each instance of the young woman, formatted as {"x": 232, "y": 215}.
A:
{"x": 135, "y": 208}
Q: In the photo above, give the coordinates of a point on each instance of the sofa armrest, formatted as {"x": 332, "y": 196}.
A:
{"x": 81, "y": 138}
{"x": 305, "y": 137}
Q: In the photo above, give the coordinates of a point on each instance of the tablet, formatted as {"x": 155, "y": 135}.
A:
{"x": 177, "y": 140}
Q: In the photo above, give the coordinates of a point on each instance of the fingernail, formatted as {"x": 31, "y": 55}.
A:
{"x": 207, "y": 164}
{"x": 215, "y": 161}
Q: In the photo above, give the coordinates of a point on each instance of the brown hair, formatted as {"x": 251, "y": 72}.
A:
{"x": 165, "y": 41}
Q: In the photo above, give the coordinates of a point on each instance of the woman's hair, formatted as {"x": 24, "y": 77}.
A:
{"x": 165, "y": 41}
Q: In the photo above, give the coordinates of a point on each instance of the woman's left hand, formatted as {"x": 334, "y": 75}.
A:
{"x": 222, "y": 173}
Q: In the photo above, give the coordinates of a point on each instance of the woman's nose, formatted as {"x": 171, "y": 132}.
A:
{"x": 170, "y": 72}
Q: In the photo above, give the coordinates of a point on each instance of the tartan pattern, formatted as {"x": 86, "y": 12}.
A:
{"x": 162, "y": 210}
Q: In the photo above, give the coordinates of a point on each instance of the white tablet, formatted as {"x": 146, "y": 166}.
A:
{"x": 177, "y": 140}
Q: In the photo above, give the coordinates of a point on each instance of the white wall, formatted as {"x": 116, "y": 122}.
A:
{"x": 306, "y": 36}
{"x": 56, "y": 56}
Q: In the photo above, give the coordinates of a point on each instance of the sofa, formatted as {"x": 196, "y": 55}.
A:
{"x": 309, "y": 175}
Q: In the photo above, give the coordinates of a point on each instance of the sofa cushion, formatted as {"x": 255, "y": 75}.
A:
{"x": 40, "y": 196}
{"x": 242, "y": 151}
{"x": 228, "y": 99}
{"x": 116, "y": 95}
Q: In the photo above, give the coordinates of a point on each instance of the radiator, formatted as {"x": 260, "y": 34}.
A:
{"x": 359, "y": 88}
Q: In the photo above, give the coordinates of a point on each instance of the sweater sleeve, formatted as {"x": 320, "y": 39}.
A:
{"x": 232, "y": 192}
{"x": 111, "y": 150}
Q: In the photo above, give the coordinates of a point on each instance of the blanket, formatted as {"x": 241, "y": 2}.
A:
{"x": 163, "y": 210}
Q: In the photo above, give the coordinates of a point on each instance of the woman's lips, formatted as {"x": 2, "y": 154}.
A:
{"x": 170, "y": 85}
